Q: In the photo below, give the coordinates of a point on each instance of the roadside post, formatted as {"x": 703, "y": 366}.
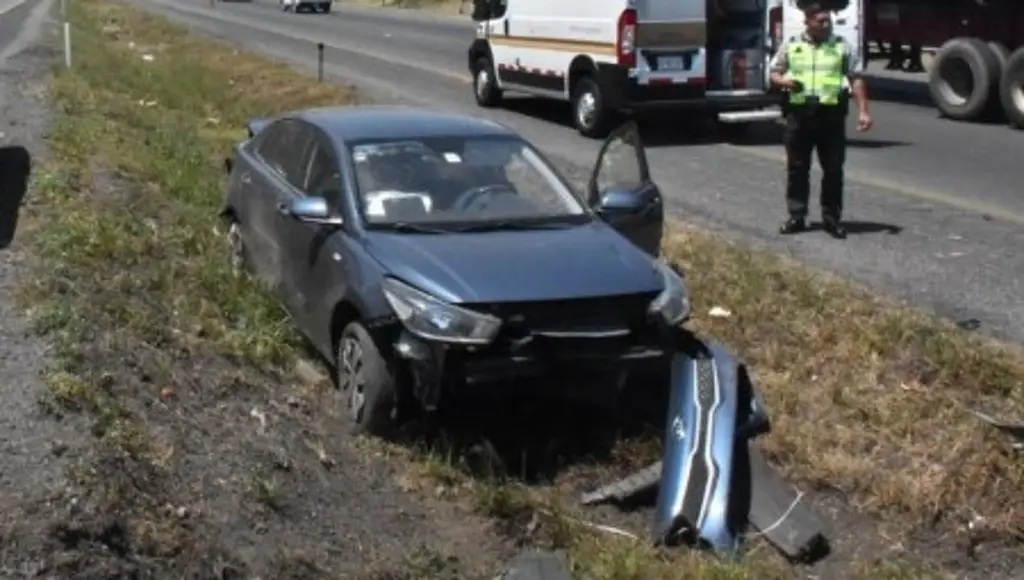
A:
{"x": 67, "y": 42}
{"x": 320, "y": 62}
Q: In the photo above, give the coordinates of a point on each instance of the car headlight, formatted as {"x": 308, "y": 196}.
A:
{"x": 673, "y": 304}
{"x": 433, "y": 319}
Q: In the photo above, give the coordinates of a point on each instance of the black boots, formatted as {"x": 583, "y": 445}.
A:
{"x": 831, "y": 226}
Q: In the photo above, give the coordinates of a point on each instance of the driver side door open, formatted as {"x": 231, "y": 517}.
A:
{"x": 622, "y": 192}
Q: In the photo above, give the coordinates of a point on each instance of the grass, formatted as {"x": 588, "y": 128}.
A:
{"x": 134, "y": 289}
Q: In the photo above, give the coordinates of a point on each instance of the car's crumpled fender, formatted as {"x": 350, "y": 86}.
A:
{"x": 711, "y": 406}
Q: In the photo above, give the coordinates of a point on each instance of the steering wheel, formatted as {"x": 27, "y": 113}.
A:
{"x": 468, "y": 197}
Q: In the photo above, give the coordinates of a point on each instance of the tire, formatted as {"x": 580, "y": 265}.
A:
{"x": 365, "y": 384}
{"x": 964, "y": 78}
{"x": 1011, "y": 89}
{"x": 589, "y": 115}
{"x": 325, "y": 8}
{"x": 1002, "y": 53}
{"x": 485, "y": 83}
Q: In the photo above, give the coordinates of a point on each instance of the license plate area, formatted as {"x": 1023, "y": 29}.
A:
{"x": 669, "y": 62}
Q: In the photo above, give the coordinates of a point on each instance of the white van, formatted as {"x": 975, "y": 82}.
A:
{"x": 617, "y": 56}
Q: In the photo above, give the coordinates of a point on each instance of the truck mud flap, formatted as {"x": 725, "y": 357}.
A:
{"x": 697, "y": 458}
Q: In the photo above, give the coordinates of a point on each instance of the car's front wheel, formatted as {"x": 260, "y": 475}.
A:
{"x": 325, "y": 8}
{"x": 365, "y": 383}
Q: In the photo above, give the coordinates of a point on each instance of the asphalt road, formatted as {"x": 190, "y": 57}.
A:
{"x": 936, "y": 208}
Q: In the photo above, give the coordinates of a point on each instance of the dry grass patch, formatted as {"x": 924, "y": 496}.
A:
{"x": 210, "y": 454}
{"x": 867, "y": 398}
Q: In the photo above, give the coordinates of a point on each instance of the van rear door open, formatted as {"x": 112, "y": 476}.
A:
{"x": 670, "y": 40}
{"x": 738, "y": 47}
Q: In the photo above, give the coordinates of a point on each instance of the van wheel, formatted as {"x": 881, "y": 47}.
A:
{"x": 485, "y": 83}
{"x": 365, "y": 384}
{"x": 589, "y": 115}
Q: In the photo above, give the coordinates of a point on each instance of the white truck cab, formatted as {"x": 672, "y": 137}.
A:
{"x": 619, "y": 56}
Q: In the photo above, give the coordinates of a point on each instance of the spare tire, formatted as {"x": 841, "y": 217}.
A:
{"x": 1011, "y": 89}
{"x": 964, "y": 79}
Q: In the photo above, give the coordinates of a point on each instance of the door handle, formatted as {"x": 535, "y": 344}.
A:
{"x": 246, "y": 178}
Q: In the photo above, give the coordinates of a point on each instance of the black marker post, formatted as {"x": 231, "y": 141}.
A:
{"x": 320, "y": 62}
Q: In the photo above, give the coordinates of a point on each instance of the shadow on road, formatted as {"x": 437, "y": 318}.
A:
{"x": 854, "y": 228}
{"x": 15, "y": 167}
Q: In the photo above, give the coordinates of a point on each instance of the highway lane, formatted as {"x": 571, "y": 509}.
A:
{"x": 951, "y": 191}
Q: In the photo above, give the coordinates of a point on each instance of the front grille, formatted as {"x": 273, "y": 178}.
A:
{"x": 607, "y": 312}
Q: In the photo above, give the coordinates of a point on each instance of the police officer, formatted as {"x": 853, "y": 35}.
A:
{"x": 813, "y": 70}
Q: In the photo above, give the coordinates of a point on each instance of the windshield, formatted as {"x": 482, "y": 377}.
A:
{"x": 459, "y": 181}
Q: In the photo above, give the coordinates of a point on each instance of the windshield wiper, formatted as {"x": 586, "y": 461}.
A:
{"x": 513, "y": 225}
{"x": 411, "y": 228}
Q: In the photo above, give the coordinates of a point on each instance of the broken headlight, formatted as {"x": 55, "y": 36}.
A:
{"x": 672, "y": 306}
{"x": 434, "y": 319}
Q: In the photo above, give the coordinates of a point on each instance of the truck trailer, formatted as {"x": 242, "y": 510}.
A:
{"x": 978, "y": 71}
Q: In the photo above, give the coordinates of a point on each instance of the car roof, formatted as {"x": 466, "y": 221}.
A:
{"x": 358, "y": 123}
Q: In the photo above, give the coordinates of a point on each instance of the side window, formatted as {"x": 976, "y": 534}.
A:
{"x": 283, "y": 147}
{"x": 324, "y": 174}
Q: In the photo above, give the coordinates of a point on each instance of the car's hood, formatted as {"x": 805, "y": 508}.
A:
{"x": 510, "y": 266}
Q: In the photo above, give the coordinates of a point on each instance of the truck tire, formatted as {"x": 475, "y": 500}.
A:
{"x": 964, "y": 79}
{"x": 1011, "y": 89}
{"x": 589, "y": 114}
{"x": 1002, "y": 53}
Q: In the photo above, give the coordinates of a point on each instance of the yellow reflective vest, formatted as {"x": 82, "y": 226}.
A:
{"x": 819, "y": 68}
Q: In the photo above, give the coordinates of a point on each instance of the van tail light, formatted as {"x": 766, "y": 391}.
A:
{"x": 625, "y": 40}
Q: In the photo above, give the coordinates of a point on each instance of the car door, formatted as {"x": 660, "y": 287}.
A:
{"x": 282, "y": 152}
{"x": 316, "y": 266}
{"x": 622, "y": 192}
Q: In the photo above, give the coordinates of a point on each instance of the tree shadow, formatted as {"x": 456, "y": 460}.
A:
{"x": 656, "y": 129}
{"x": 768, "y": 133}
{"x": 15, "y": 168}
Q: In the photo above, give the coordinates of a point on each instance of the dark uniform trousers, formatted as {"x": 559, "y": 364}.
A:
{"x": 810, "y": 128}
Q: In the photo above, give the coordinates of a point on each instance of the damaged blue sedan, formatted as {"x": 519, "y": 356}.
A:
{"x": 432, "y": 256}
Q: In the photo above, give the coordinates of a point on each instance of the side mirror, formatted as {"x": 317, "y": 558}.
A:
{"x": 313, "y": 210}
{"x": 620, "y": 201}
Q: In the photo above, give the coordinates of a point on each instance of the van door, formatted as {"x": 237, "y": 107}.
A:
{"x": 738, "y": 45}
{"x": 671, "y": 40}
{"x": 847, "y": 22}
